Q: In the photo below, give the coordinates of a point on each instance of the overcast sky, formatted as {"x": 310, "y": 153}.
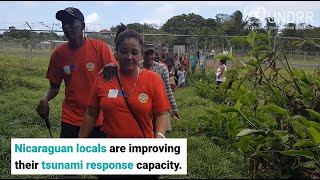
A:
{"x": 102, "y": 15}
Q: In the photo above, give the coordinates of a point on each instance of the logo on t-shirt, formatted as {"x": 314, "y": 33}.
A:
{"x": 67, "y": 69}
{"x": 143, "y": 97}
{"x": 90, "y": 66}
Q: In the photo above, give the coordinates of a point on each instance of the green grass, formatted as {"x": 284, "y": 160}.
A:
{"x": 23, "y": 83}
{"x": 205, "y": 158}
{"x": 26, "y": 50}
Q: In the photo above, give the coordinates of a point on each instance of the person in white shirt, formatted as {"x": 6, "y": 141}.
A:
{"x": 225, "y": 52}
{"x": 182, "y": 77}
{"x": 212, "y": 54}
{"x": 220, "y": 78}
{"x": 202, "y": 61}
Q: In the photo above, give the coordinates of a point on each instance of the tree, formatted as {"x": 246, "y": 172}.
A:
{"x": 12, "y": 28}
{"x": 18, "y": 34}
{"x": 48, "y": 36}
{"x": 138, "y": 27}
{"x": 211, "y": 23}
{"x": 238, "y": 22}
{"x": 232, "y": 25}
{"x": 148, "y": 29}
{"x": 221, "y": 18}
{"x": 311, "y": 32}
{"x": 97, "y": 35}
{"x": 291, "y": 30}
{"x": 184, "y": 24}
{"x": 254, "y": 24}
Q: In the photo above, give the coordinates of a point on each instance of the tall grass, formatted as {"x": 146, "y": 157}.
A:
{"x": 23, "y": 83}
{"x": 205, "y": 158}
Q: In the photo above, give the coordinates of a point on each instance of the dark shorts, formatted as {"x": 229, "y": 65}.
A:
{"x": 71, "y": 131}
{"x": 219, "y": 82}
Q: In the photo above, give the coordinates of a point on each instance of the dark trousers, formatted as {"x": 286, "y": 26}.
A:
{"x": 71, "y": 131}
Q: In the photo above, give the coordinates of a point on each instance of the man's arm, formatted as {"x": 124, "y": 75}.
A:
{"x": 165, "y": 79}
{"x": 43, "y": 106}
{"x": 52, "y": 92}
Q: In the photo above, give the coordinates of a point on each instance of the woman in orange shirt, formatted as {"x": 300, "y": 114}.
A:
{"x": 130, "y": 101}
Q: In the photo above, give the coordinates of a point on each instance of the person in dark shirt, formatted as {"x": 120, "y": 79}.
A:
{"x": 198, "y": 54}
{"x": 166, "y": 58}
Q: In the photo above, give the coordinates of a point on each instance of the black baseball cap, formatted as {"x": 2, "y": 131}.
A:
{"x": 70, "y": 11}
{"x": 149, "y": 46}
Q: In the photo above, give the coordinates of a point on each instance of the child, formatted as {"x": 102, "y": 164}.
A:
{"x": 220, "y": 78}
{"x": 181, "y": 75}
{"x": 172, "y": 81}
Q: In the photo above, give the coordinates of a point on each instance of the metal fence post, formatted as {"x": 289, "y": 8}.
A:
{"x": 31, "y": 42}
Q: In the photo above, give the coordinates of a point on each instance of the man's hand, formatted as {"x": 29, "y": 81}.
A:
{"x": 109, "y": 71}
{"x": 43, "y": 109}
{"x": 176, "y": 115}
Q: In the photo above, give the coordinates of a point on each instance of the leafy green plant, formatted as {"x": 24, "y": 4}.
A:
{"x": 209, "y": 90}
{"x": 270, "y": 114}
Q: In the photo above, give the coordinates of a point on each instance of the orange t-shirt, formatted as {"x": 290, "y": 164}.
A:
{"x": 78, "y": 68}
{"x": 148, "y": 97}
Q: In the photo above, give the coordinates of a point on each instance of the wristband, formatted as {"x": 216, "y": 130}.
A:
{"x": 160, "y": 134}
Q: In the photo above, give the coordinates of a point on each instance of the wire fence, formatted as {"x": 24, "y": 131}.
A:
{"x": 189, "y": 43}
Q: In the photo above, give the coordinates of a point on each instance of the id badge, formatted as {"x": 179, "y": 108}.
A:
{"x": 113, "y": 93}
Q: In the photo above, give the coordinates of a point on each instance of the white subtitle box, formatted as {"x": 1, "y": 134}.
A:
{"x": 80, "y": 156}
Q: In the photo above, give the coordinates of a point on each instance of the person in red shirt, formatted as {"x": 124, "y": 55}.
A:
{"x": 134, "y": 104}
{"x": 131, "y": 101}
{"x": 185, "y": 62}
{"x": 77, "y": 63}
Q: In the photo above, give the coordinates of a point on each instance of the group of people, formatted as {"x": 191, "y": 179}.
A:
{"x": 110, "y": 95}
{"x": 180, "y": 72}
{"x": 200, "y": 58}
{"x": 128, "y": 94}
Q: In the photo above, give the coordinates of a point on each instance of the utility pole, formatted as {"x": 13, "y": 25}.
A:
{"x": 31, "y": 42}
{"x": 143, "y": 31}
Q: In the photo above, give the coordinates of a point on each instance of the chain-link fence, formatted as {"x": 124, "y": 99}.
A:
{"x": 207, "y": 44}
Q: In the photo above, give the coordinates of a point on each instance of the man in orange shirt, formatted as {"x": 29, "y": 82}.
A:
{"x": 78, "y": 63}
